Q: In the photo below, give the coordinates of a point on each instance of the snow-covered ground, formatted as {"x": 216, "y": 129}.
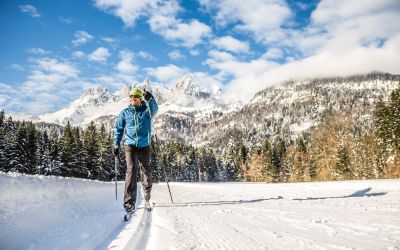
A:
{"x": 39, "y": 212}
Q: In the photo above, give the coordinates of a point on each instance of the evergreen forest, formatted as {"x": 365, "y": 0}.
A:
{"x": 337, "y": 149}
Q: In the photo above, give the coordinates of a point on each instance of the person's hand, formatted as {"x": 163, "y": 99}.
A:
{"x": 116, "y": 151}
{"x": 148, "y": 95}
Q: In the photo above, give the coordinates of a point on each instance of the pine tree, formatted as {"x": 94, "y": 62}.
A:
{"x": 10, "y": 145}
{"x": 192, "y": 165}
{"x": 342, "y": 167}
{"x": 267, "y": 164}
{"x": 20, "y": 158}
{"x": 382, "y": 122}
{"x": 79, "y": 169}
{"x": 31, "y": 148}
{"x": 2, "y": 116}
{"x": 278, "y": 154}
{"x": 66, "y": 146}
{"x": 156, "y": 160}
{"x": 55, "y": 159}
{"x": 105, "y": 155}
{"x": 91, "y": 147}
{"x": 43, "y": 152}
{"x": 2, "y": 143}
{"x": 394, "y": 107}
{"x": 300, "y": 170}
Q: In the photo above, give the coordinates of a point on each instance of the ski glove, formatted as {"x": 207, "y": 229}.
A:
{"x": 148, "y": 95}
{"x": 116, "y": 151}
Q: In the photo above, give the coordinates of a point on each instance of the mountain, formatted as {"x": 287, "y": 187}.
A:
{"x": 192, "y": 113}
{"x": 294, "y": 108}
{"x": 98, "y": 104}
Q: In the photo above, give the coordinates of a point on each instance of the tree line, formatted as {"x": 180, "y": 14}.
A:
{"x": 337, "y": 149}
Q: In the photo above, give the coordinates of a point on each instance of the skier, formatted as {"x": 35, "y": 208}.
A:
{"x": 135, "y": 121}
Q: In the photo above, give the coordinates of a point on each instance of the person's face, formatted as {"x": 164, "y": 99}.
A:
{"x": 135, "y": 100}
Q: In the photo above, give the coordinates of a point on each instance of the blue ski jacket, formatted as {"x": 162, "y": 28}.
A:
{"x": 135, "y": 122}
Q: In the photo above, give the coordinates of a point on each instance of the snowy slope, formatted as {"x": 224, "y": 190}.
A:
{"x": 61, "y": 213}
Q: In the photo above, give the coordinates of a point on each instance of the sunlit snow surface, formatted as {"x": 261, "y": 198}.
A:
{"x": 39, "y": 212}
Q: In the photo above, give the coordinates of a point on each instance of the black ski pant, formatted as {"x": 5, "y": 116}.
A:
{"x": 137, "y": 158}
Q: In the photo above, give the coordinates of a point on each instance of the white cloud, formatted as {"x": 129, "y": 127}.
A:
{"x": 44, "y": 89}
{"x": 7, "y": 89}
{"x": 343, "y": 38}
{"x": 38, "y": 51}
{"x": 220, "y": 56}
{"x": 162, "y": 18}
{"x": 126, "y": 65}
{"x": 67, "y": 20}
{"x": 263, "y": 18}
{"x": 176, "y": 55}
{"x": 43, "y": 103}
{"x": 332, "y": 11}
{"x": 53, "y": 66}
{"x": 129, "y": 11}
{"x": 3, "y": 100}
{"x": 79, "y": 54}
{"x": 167, "y": 74}
{"x": 146, "y": 55}
{"x": 256, "y": 75}
{"x": 99, "y": 55}
{"x": 109, "y": 39}
{"x": 187, "y": 34}
{"x": 194, "y": 52}
{"x": 81, "y": 37}
{"x": 231, "y": 44}
{"x": 273, "y": 53}
{"x": 30, "y": 10}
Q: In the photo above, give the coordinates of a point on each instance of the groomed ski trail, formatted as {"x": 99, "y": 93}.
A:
{"x": 41, "y": 212}
{"x": 38, "y": 212}
{"x": 135, "y": 234}
{"x": 319, "y": 215}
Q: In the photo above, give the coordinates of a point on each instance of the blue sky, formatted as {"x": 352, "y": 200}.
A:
{"x": 51, "y": 51}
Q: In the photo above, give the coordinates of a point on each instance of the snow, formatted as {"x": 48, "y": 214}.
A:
{"x": 39, "y": 212}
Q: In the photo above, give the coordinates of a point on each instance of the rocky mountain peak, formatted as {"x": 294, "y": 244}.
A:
{"x": 95, "y": 96}
{"x": 187, "y": 85}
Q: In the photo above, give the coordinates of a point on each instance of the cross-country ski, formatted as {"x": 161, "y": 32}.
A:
{"x": 128, "y": 215}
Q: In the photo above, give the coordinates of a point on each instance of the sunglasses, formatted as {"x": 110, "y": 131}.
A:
{"x": 134, "y": 96}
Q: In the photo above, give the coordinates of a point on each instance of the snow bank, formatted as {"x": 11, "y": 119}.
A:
{"x": 39, "y": 212}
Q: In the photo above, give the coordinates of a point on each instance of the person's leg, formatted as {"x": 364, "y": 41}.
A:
{"x": 145, "y": 169}
{"x": 131, "y": 155}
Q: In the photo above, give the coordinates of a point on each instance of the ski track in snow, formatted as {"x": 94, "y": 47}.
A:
{"x": 38, "y": 212}
{"x": 325, "y": 215}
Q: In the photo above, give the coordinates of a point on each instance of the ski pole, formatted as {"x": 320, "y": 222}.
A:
{"x": 167, "y": 181}
{"x": 116, "y": 174}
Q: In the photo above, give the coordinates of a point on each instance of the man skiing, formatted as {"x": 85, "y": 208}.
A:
{"x": 135, "y": 121}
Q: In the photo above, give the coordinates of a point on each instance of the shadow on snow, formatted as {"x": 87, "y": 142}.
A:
{"x": 215, "y": 203}
{"x": 360, "y": 193}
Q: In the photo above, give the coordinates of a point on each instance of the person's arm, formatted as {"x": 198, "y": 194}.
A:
{"x": 119, "y": 131}
{"x": 152, "y": 103}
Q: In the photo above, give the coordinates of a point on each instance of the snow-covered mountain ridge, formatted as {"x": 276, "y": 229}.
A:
{"x": 295, "y": 107}
{"x": 99, "y": 104}
{"x": 192, "y": 113}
